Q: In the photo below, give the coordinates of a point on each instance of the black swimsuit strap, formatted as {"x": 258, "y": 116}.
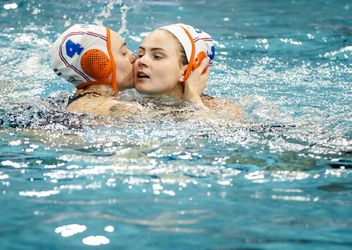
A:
{"x": 76, "y": 97}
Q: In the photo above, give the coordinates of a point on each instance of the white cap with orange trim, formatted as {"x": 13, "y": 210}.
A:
{"x": 196, "y": 43}
{"x": 82, "y": 56}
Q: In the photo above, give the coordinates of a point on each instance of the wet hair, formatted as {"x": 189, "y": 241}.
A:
{"x": 181, "y": 51}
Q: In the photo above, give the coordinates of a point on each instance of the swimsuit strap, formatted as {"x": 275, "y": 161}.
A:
{"x": 76, "y": 97}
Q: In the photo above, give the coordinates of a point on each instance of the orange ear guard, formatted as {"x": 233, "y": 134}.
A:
{"x": 193, "y": 62}
{"x": 96, "y": 64}
{"x": 199, "y": 60}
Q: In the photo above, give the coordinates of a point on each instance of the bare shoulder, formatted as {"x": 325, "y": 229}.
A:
{"x": 90, "y": 105}
{"x": 124, "y": 108}
{"x": 102, "y": 105}
{"x": 222, "y": 105}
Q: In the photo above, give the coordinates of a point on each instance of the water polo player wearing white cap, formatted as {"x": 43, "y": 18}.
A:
{"x": 166, "y": 59}
{"x": 97, "y": 61}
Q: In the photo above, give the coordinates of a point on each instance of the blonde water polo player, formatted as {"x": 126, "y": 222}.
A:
{"x": 167, "y": 59}
{"x": 97, "y": 62}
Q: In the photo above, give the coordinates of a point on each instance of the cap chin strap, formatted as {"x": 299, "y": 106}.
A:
{"x": 190, "y": 65}
{"x": 113, "y": 81}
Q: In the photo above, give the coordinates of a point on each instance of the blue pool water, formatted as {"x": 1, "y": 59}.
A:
{"x": 283, "y": 180}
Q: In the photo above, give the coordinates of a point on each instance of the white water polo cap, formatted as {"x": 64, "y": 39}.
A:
{"x": 82, "y": 55}
{"x": 196, "y": 43}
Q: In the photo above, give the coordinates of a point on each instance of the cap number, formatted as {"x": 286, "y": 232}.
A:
{"x": 211, "y": 55}
{"x": 73, "y": 48}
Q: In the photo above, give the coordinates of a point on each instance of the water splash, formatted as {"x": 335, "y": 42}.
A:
{"x": 107, "y": 13}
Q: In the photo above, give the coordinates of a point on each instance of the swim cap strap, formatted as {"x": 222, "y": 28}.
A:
{"x": 113, "y": 80}
{"x": 191, "y": 60}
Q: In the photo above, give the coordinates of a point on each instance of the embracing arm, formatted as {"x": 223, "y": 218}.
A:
{"x": 223, "y": 106}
